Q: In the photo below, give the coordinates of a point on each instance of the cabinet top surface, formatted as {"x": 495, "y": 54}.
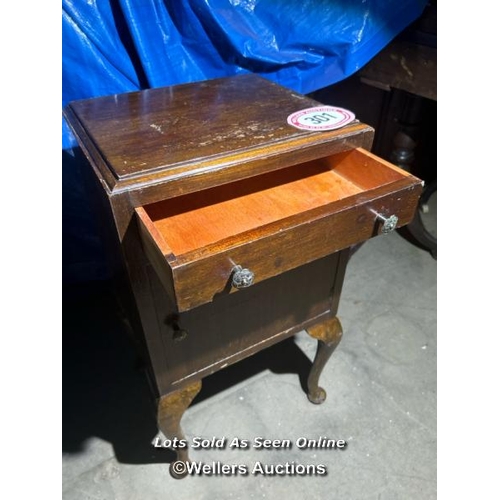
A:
{"x": 165, "y": 128}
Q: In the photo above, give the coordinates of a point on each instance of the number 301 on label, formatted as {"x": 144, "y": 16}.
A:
{"x": 321, "y": 118}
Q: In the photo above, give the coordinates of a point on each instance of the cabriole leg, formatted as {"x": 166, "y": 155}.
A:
{"x": 328, "y": 335}
{"x": 171, "y": 408}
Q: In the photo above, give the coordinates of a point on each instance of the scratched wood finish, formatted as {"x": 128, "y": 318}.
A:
{"x": 138, "y": 132}
{"x": 169, "y": 141}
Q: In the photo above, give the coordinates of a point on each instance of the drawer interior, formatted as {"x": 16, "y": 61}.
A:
{"x": 205, "y": 217}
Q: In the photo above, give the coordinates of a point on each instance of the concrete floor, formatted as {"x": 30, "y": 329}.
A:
{"x": 381, "y": 385}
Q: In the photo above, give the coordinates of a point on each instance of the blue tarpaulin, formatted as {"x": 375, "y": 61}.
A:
{"x": 114, "y": 46}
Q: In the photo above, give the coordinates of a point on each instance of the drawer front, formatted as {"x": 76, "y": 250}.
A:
{"x": 199, "y": 276}
{"x": 204, "y": 277}
{"x": 202, "y": 280}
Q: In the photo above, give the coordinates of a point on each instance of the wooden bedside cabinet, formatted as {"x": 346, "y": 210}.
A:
{"x": 230, "y": 227}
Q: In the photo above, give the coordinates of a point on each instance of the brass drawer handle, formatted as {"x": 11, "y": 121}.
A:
{"x": 242, "y": 278}
{"x": 388, "y": 223}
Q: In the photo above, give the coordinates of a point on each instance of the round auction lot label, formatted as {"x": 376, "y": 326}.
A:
{"x": 321, "y": 118}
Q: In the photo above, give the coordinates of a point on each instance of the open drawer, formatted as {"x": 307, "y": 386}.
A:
{"x": 221, "y": 239}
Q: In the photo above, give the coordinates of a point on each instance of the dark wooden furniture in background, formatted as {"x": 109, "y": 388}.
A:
{"x": 407, "y": 68}
{"x": 396, "y": 93}
{"x": 230, "y": 228}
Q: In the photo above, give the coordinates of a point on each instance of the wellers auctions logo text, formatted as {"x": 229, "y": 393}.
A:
{"x": 182, "y": 469}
